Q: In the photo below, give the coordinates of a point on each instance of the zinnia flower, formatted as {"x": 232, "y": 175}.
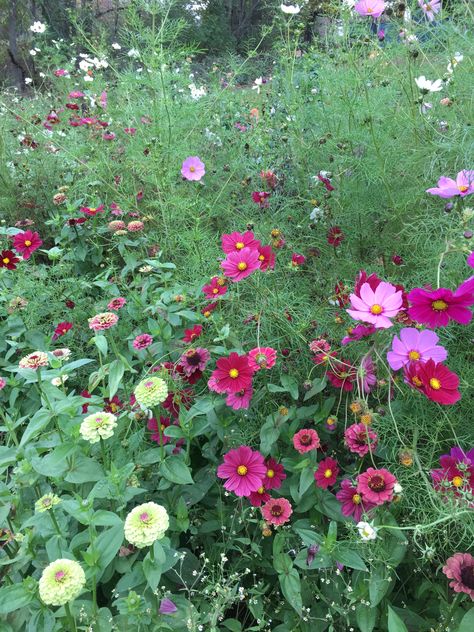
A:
{"x": 430, "y": 8}
{"x": 61, "y": 582}
{"x": 98, "y": 426}
{"x": 327, "y": 472}
{"x": 262, "y": 358}
{"x": 277, "y": 511}
{"x": 233, "y": 374}
{"x": 360, "y": 439}
{"x": 436, "y": 308}
{"x": 8, "y": 260}
{"x": 240, "y": 400}
{"x": 194, "y": 360}
{"x": 145, "y": 524}
{"x": 142, "y": 341}
{"x": 34, "y": 360}
{"x": 376, "y": 307}
{"x": 244, "y": 470}
{"x": 26, "y": 243}
{"x": 150, "y": 392}
{"x": 448, "y": 188}
{"x": 275, "y": 474}
{"x": 102, "y": 321}
{"x": 46, "y": 502}
{"x": 241, "y": 264}
{"x": 192, "y": 168}
{"x": 61, "y": 329}
{"x": 460, "y": 569}
{"x": 371, "y": 8}
{"x": 352, "y": 503}
{"x": 376, "y": 486}
{"x": 306, "y": 440}
{"x": 413, "y": 346}
{"x": 234, "y": 242}
{"x": 116, "y": 303}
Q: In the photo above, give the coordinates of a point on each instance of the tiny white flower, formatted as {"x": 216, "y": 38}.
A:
{"x": 38, "y": 27}
{"x": 258, "y": 84}
{"x": 366, "y": 531}
{"x": 397, "y": 489}
{"x": 28, "y": 80}
{"x": 458, "y": 57}
{"x": 32, "y": 52}
{"x": 290, "y": 9}
{"x": 316, "y": 214}
{"x": 88, "y": 78}
{"x": 425, "y": 85}
{"x": 116, "y": 46}
{"x": 133, "y": 52}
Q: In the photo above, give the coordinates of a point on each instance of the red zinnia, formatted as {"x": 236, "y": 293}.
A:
{"x": 8, "y": 259}
{"x": 244, "y": 470}
{"x": 61, "y": 329}
{"x": 277, "y": 511}
{"x": 376, "y": 486}
{"x": 327, "y": 472}
{"x": 275, "y": 474}
{"x": 233, "y": 374}
{"x": 190, "y": 335}
{"x": 26, "y": 243}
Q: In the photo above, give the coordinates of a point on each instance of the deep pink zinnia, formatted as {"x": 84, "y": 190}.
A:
{"x": 234, "y": 242}
{"x": 241, "y": 264}
{"x": 436, "y": 308}
{"x": 352, "y": 503}
{"x": 61, "y": 329}
{"x": 376, "y": 486}
{"x": 194, "y": 360}
{"x": 360, "y": 439}
{"x": 376, "y": 307}
{"x": 142, "y": 341}
{"x": 116, "y": 303}
{"x": 233, "y": 374}
{"x": 448, "y": 188}
{"x": 277, "y": 511}
{"x": 327, "y": 472}
{"x": 216, "y": 287}
{"x": 26, "y": 243}
{"x": 306, "y": 440}
{"x": 262, "y": 358}
{"x": 244, "y": 470}
{"x": 460, "y": 569}
{"x": 240, "y": 400}
{"x": 275, "y": 474}
{"x": 193, "y": 168}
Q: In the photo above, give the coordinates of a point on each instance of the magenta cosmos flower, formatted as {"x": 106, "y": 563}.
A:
{"x": 26, "y": 243}
{"x": 366, "y": 377}
{"x": 244, "y": 470}
{"x": 376, "y": 307}
{"x": 360, "y": 439}
{"x": 460, "y": 569}
{"x": 193, "y": 168}
{"x": 371, "y": 8}
{"x": 262, "y": 358}
{"x": 216, "y": 287}
{"x": 142, "y": 341}
{"x": 241, "y": 264}
{"x": 240, "y": 400}
{"x": 327, "y": 472}
{"x": 447, "y": 187}
{"x": 430, "y": 8}
{"x": 277, "y": 511}
{"x": 456, "y": 472}
{"x": 376, "y": 486}
{"x": 415, "y": 346}
{"x": 233, "y": 374}
{"x": 275, "y": 474}
{"x": 436, "y": 308}
{"x": 306, "y": 440}
{"x": 352, "y": 503}
{"x": 233, "y": 242}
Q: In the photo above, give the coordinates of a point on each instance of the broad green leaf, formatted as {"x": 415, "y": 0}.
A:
{"x": 378, "y": 584}
{"x": 85, "y": 470}
{"x": 306, "y": 480}
{"x": 467, "y": 622}
{"x": 366, "y": 618}
{"x": 174, "y": 469}
{"x": 116, "y": 371}
{"x": 317, "y": 386}
{"x": 101, "y": 344}
{"x": 233, "y": 625}
{"x": 395, "y": 624}
{"x": 344, "y": 555}
{"x": 291, "y": 588}
{"x": 291, "y": 385}
{"x": 14, "y": 597}
{"x": 108, "y": 543}
{"x": 38, "y": 422}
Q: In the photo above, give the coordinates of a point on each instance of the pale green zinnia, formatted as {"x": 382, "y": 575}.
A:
{"x": 151, "y": 392}
{"x": 98, "y": 426}
{"x": 61, "y": 581}
{"x": 46, "y": 502}
{"x": 145, "y": 524}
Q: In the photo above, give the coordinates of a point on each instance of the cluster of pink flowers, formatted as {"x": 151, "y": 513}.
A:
{"x": 24, "y": 243}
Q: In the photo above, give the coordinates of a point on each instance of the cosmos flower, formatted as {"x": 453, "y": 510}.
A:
{"x": 234, "y": 242}
{"x": 425, "y": 85}
{"x": 190, "y": 335}
{"x": 376, "y": 486}
{"x": 193, "y": 168}
{"x": 216, "y": 287}
{"x": 233, "y": 374}
{"x": 91, "y": 211}
{"x": 448, "y": 188}
{"x": 341, "y": 373}
{"x": 258, "y": 498}
{"x": 61, "y": 329}
{"x": 275, "y": 474}
{"x": 456, "y": 472}
{"x": 277, "y": 511}
{"x": 430, "y": 8}
{"x": 335, "y": 236}
{"x": 438, "y": 383}
{"x": 351, "y": 501}
{"x": 415, "y": 346}
{"x": 241, "y": 264}
{"x": 376, "y": 307}
{"x": 262, "y": 358}
{"x": 436, "y": 308}
{"x": 261, "y": 198}
{"x": 244, "y": 470}
{"x": 8, "y": 260}
{"x": 290, "y": 9}
{"x": 26, "y": 243}
{"x": 327, "y": 472}
{"x": 370, "y": 8}
{"x": 266, "y": 256}
{"x": 306, "y": 440}
{"x": 297, "y": 260}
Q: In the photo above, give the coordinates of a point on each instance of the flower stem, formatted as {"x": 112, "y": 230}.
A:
{"x": 70, "y": 618}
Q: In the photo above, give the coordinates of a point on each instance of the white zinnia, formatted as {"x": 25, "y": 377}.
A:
{"x": 366, "y": 531}
{"x": 98, "y": 426}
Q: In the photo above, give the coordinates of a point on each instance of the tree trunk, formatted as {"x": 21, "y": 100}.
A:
{"x": 15, "y": 67}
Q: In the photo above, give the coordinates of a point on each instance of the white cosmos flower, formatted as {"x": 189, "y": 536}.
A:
{"x": 290, "y": 9}
{"x": 458, "y": 57}
{"x": 366, "y": 531}
{"x": 38, "y": 27}
{"x": 28, "y": 80}
{"x": 88, "y": 78}
{"x": 85, "y": 65}
{"x": 426, "y": 85}
{"x": 258, "y": 84}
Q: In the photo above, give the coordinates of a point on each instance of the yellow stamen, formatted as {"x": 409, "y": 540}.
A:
{"x": 414, "y": 355}
{"x": 242, "y": 266}
{"x": 435, "y": 384}
{"x": 376, "y": 309}
{"x": 439, "y": 305}
{"x": 242, "y": 470}
{"x": 233, "y": 373}
{"x": 356, "y": 499}
{"x": 28, "y": 243}
{"x": 327, "y": 473}
{"x": 6, "y": 260}
{"x": 457, "y": 481}
{"x": 270, "y": 473}
{"x": 239, "y": 245}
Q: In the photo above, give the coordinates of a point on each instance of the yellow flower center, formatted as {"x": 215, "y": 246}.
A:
{"x": 414, "y": 355}
{"x": 220, "y": 281}
{"x": 376, "y": 309}
{"x": 162, "y": 427}
{"x": 356, "y": 499}
{"x": 192, "y": 169}
{"x": 261, "y": 258}
{"x": 27, "y": 242}
{"x": 6, "y": 260}
{"x": 370, "y": 10}
{"x": 239, "y": 245}
{"x": 435, "y": 384}
{"x": 242, "y": 266}
{"x": 242, "y": 470}
{"x": 233, "y": 373}
{"x": 261, "y": 490}
{"x": 463, "y": 188}
{"x": 327, "y": 473}
{"x": 439, "y": 305}
{"x": 270, "y": 473}
{"x": 416, "y": 381}
{"x": 206, "y": 314}
{"x": 215, "y": 291}
{"x": 457, "y": 481}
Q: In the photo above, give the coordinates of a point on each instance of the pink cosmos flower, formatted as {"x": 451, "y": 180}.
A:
{"x": 366, "y": 377}
{"x": 277, "y": 511}
{"x": 216, "y": 287}
{"x": 415, "y": 346}
{"x": 460, "y": 569}
{"x": 266, "y": 256}
{"x": 130, "y": 130}
{"x": 26, "y": 243}
{"x": 102, "y": 321}
{"x": 436, "y": 308}
{"x": 430, "y": 8}
{"x": 244, "y": 470}
{"x": 357, "y": 333}
{"x": 456, "y": 472}
{"x": 193, "y": 168}
{"x": 352, "y": 503}
{"x": 108, "y": 136}
{"x": 117, "y": 303}
{"x": 260, "y": 497}
{"x": 190, "y": 335}
{"x": 275, "y": 474}
{"x": 92, "y": 210}
{"x": 142, "y": 341}
{"x": 194, "y": 360}
{"x": 261, "y": 198}
{"x": 376, "y": 307}
{"x": 360, "y": 439}
{"x": 297, "y": 260}
{"x": 262, "y": 358}
{"x": 447, "y": 187}
{"x": 234, "y": 242}
{"x": 371, "y": 8}
{"x": 233, "y": 374}
{"x": 76, "y": 94}
{"x": 437, "y": 382}
{"x": 241, "y": 264}
{"x": 240, "y": 400}
{"x": 327, "y": 472}
{"x": 376, "y": 486}
{"x": 306, "y": 440}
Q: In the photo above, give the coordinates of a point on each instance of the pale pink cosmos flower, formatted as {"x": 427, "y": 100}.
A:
{"x": 415, "y": 346}
{"x": 430, "y": 8}
{"x": 376, "y": 307}
{"x": 193, "y": 168}
{"x": 3, "y": 383}
{"x": 447, "y": 187}
{"x": 370, "y": 8}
